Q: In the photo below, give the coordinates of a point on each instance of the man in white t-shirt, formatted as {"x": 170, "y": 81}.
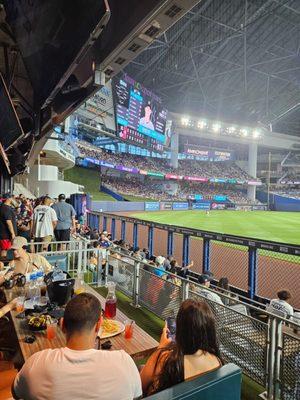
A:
{"x": 204, "y": 281}
{"x": 44, "y": 222}
{"x": 282, "y": 303}
{"x": 78, "y": 371}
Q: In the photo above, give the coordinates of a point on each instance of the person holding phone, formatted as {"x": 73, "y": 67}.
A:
{"x": 194, "y": 352}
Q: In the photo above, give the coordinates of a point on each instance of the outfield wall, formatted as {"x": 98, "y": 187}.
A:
{"x": 280, "y": 203}
{"x": 258, "y": 268}
{"x": 123, "y": 206}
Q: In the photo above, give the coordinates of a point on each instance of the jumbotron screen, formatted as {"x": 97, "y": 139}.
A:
{"x": 140, "y": 116}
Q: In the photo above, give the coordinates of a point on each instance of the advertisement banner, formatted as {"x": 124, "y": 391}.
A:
{"x": 180, "y": 206}
{"x": 218, "y": 206}
{"x": 106, "y": 164}
{"x": 198, "y": 197}
{"x": 218, "y": 180}
{"x": 143, "y": 172}
{"x": 220, "y": 198}
{"x": 201, "y": 206}
{"x": 254, "y": 183}
{"x": 164, "y": 205}
{"x": 152, "y": 206}
{"x": 231, "y": 181}
{"x": 157, "y": 174}
{"x": 172, "y": 176}
{"x": 127, "y": 169}
{"x": 195, "y": 178}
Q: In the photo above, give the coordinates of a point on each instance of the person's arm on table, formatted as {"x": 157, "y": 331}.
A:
{"x": 155, "y": 362}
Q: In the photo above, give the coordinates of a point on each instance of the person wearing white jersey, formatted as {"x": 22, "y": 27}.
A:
{"x": 282, "y": 303}
{"x": 44, "y": 222}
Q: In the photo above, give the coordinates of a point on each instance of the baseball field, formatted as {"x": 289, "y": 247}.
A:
{"x": 266, "y": 225}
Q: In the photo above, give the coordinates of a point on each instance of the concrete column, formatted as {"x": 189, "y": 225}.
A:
{"x": 174, "y": 150}
{"x": 252, "y": 167}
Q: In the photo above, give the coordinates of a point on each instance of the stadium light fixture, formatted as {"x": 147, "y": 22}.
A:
{"x": 201, "y": 124}
{"x": 256, "y": 134}
{"x": 244, "y": 132}
{"x": 185, "y": 121}
{"x": 231, "y": 129}
{"x": 216, "y": 128}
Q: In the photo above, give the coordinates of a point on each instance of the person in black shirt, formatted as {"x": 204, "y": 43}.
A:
{"x": 8, "y": 224}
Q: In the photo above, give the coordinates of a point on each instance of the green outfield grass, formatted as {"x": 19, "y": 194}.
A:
{"x": 266, "y": 225}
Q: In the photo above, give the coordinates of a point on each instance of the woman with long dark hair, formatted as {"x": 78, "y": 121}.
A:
{"x": 195, "y": 351}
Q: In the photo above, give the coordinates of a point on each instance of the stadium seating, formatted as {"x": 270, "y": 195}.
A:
{"x": 223, "y": 384}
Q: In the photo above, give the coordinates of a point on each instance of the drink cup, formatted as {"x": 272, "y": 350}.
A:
{"x": 51, "y": 330}
{"x": 129, "y": 326}
{"x": 20, "y": 304}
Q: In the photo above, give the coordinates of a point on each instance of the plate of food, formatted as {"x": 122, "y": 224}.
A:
{"x": 110, "y": 328}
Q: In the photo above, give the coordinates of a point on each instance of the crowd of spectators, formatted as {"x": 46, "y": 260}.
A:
{"x": 292, "y": 193}
{"x": 152, "y": 189}
{"x": 187, "y": 167}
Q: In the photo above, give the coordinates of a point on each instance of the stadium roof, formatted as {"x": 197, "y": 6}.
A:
{"x": 234, "y": 60}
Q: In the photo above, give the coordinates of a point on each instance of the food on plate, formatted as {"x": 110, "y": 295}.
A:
{"x": 109, "y": 327}
{"x": 38, "y": 322}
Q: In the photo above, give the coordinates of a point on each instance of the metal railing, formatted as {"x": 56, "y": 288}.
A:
{"x": 268, "y": 351}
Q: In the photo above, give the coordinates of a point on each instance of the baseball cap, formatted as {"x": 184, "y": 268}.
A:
{"x": 160, "y": 260}
{"x": 204, "y": 278}
{"x": 19, "y": 242}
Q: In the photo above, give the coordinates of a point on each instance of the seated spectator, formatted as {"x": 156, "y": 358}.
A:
{"x": 180, "y": 270}
{"x": 282, "y": 303}
{"x": 195, "y": 351}
{"x": 223, "y": 287}
{"x": 204, "y": 281}
{"x": 78, "y": 371}
{"x": 25, "y": 262}
{"x": 159, "y": 270}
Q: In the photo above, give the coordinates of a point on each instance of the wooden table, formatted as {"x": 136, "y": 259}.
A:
{"x": 140, "y": 346}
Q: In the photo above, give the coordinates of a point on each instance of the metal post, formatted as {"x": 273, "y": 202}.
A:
{"x": 252, "y": 271}
{"x": 79, "y": 258}
{"x": 206, "y": 255}
{"x": 269, "y": 178}
{"x": 113, "y": 228}
{"x": 106, "y": 268}
{"x": 104, "y": 225}
{"x": 135, "y": 235}
{"x": 150, "y": 240}
{"x": 85, "y": 256}
{"x": 184, "y": 290}
{"x": 271, "y": 355}
{"x": 123, "y": 230}
{"x": 97, "y": 277}
{"x": 136, "y": 286}
{"x": 170, "y": 244}
{"x": 186, "y": 250}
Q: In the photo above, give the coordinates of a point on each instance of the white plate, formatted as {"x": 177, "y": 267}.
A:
{"x": 121, "y": 328}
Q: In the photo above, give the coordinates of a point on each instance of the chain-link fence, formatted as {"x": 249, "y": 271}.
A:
{"x": 243, "y": 339}
{"x": 231, "y": 261}
{"x": 196, "y": 254}
{"x": 276, "y": 271}
{"x": 142, "y": 236}
{"x": 161, "y": 296}
{"x": 160, "y": 238}
{"x": 121, "y": 271}
{"x": 290, "y": 368}
{"x": 178, "y": 246}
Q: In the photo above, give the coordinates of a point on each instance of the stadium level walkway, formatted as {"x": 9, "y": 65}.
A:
{"x": 153, "y": 326}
